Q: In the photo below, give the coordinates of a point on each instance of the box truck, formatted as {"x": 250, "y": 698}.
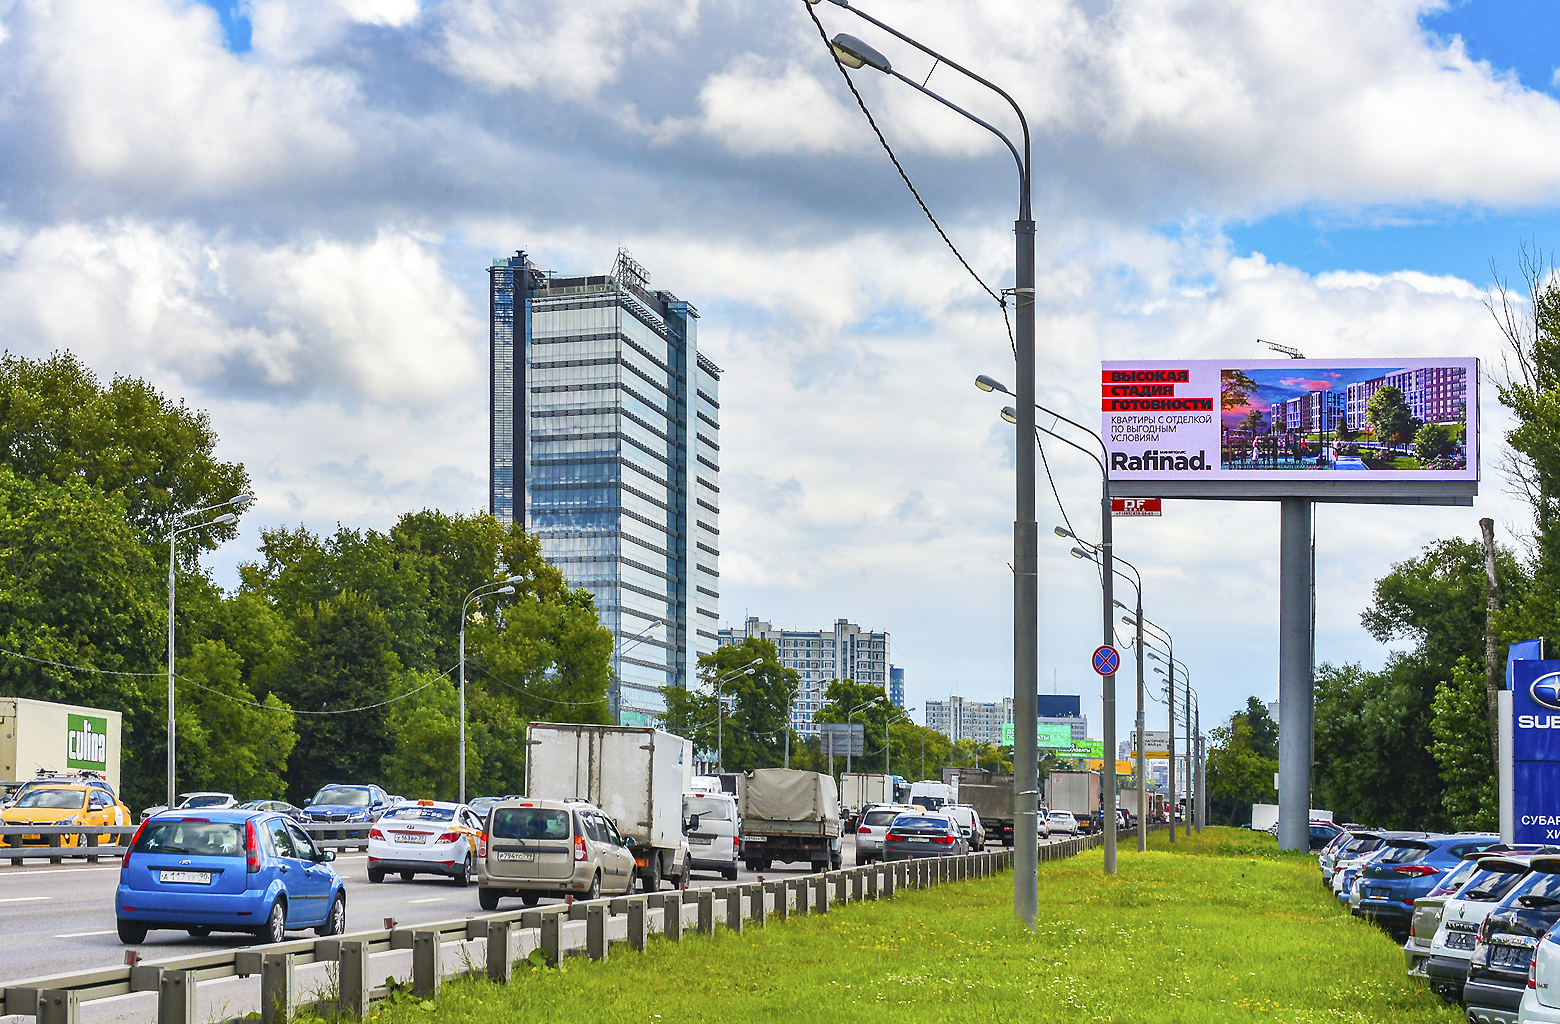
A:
{"x": 38, "y": 735}
{"x": 1078, "y": 792}
{"x": 857, "y": 789}
{"x": 992, "y": 797}
{"x": 637, "y": 776}
{"x": 788, "y": 815}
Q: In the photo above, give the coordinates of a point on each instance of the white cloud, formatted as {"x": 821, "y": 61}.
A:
{"x": 755, "y": 106}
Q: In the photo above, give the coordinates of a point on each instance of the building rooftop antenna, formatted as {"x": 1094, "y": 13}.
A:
{"x": 1292, "y": 353}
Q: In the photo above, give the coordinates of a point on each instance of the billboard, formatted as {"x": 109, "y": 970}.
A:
{"x": 1535, "y": 736}
{"x": 1048, "y": 735}
{"x": 1348, "y": 429}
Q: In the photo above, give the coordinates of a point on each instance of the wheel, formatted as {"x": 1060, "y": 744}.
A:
{"x": 594, "y": 892}
{"x": 406, "y": 876}
{"x": 376, "y": 875}
{"x": 199, "y": 931}
{"x": 336, "y": 921}
{"x": 838, "y": 861}
{"x": 650, "y": 881}
{"x": 487, "y": 899}
{"x": 275, "y": 927}
{"x": 764, "y": 865}
{"x": 131, "y": 932}
{"x": 752, "y": 865}
{"x": 530, "y": 899}
{"x": 463, "y": 879}
{"x": 729, "y": 874}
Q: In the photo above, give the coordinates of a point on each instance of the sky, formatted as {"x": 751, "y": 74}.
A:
{"x": 282, "y": 212}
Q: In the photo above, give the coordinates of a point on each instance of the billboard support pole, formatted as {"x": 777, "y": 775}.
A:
{"x": 1296, "y": 696}
{"x": 1108, "y": 683}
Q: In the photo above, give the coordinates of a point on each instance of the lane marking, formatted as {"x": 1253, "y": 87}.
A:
{"x": 27, "y": 872}
{"x": 26, "y": 899}
{"x": 434, "y": 899}
{"x": 83, "y": 935}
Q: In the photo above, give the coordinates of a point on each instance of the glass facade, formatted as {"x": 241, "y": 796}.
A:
{"x": 605, "y": 444}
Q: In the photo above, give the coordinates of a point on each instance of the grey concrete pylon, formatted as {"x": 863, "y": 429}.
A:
{"x": 1296, "y": 696}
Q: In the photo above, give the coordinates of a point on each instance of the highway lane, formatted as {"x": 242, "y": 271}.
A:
{"x": 57, "y": 919}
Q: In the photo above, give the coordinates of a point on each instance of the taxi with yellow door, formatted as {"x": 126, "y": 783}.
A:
{"x": 428, "y": 837}
{"x": 65, "y": 803}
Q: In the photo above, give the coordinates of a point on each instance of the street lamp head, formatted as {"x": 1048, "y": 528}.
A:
{"x": 1079, "y": 553}
{"x": 853, "y": 53}
{"x": 1010, "y": 414}
{"x": 504, "y": 590}
{"x": 223, "y": 520}
{"x": 1118, "y": 604}
{"x": 1154, "y": 657}
{"x": 1064, "y": 532}
{"x": 986, "y": 383}
{"x": 515, "y": 579}
{"x": 241, "y": 501}
{"x": 1129, "y": 620}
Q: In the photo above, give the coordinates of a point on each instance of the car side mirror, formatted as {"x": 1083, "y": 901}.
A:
{"x": 693, "y": 823}
{"x": 629, "y": 842}
{"x": 308, "y": 800}
{"x": 327, "y": 856}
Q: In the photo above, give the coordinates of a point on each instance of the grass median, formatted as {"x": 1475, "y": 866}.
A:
{"x": 1221, "y": 927}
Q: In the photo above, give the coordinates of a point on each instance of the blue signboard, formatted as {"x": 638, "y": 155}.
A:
{"x": 1535, "y": 748}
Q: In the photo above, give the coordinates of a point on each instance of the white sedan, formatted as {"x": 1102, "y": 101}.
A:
{"x": 428, "y": 837}
{"x": 1061, "y": 821}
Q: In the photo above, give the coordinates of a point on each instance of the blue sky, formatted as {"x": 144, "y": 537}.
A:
{"x": 1522, "y": 39}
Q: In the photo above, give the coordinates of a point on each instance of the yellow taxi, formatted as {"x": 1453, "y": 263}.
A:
{"x": 429, "y": 837}
{"x": 64, "y": 803}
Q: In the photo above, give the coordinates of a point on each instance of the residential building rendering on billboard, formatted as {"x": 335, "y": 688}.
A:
{"x": 604, "y": 443}
{"x": 820, "y": 656}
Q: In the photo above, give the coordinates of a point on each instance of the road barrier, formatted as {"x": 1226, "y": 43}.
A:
{"x": 57, "y": 999}
{"x": 52, "y": 845}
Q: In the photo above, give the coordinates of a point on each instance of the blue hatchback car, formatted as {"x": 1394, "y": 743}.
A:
{"x": 227, "y": 870}
{"x": 1409, "y": 869}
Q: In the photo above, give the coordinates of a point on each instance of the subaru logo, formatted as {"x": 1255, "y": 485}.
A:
{"x": 1545, "y": 691}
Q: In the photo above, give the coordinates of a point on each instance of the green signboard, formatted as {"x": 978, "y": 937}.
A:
{"x": 1050, "y": 736}
{"x": 86, "y": 742}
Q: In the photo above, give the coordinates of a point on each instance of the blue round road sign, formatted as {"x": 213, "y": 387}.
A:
{"x": 1106, "y": 660}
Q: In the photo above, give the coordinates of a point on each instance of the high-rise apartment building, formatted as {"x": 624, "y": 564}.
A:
{"x": 605, "y": 429}
{"x": 820, "y": 656}
{"x": 1434, "y": 394}
{"x": 981, "y": 721}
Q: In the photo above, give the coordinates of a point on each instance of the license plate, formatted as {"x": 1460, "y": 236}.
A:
{"x": 1459, "y": 940}
{"x": 403, "y": 837}
{"x": 191, "y": 877}
{"x": 755, "y": 839}
{"x": 1376, "y": 894}
{"x": 1509, "y": 956}
{"x": 523, "y": 857}
{"x": 918, "y": 839}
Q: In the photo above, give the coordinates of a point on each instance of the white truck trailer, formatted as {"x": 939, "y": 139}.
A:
{"x": 637, "y": 776}
{"x": 39, "y": 735}
{"x": 1078, "y": 792}
{"x": 857, "y": 789}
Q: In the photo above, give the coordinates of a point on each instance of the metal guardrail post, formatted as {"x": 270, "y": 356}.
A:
{"x": 425, "y": 964}
{"x": 500, "y": 952}
{"x": 58, "y": 1006}
{"x": 782, "y": 894}
{"x": 821, "y": 897}
{"x": 706, "y": 911}
{"x": 758, "y": 905}
{"x": 596, "y": 945}
{"x": 858, "y": 887}
{"x": 276, "y": 988}
{"x": 90, "y": 840}
{"x": 352, "y": 979}
{"x": 872, "y": 883}
{"x": 638, "y": 924}
{"x": 176, "y": 998}
{"x": 671, "y": 919}
{"x": 803, "y": 894}
{"x": 54, "y": 844}
{"x": 734, "y": 909}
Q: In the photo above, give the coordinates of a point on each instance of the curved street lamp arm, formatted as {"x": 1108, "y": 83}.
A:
{"x": 1023, "y": 123}
{"x": 1023, "y": 175}
{"x": 1103, "y": 472}
{"x": 1066, "y": 419}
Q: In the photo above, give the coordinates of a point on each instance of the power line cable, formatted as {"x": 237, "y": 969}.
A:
{"x": 342, "y": 711}
{"x": 528, "y": 693}
{"x": 82, "y": 668}
{"x": 862, "y": 103}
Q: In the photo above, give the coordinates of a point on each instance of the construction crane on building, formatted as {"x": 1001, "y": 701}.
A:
{"x": 1292, "y": 353}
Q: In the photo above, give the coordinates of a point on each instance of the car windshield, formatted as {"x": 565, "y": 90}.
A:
{"x": 204, "y": 800}
{"x": 54, "y": 799}
{"x": 1490, "y": 885}
{"x": 1060, "y": 814}
{"x": 707, "y": 810}
{"x": 529, "y": 823}
{"x": 1361, "y": 845}
{"x": 201, "y": 838}
{"x": 877, "y": 819}
{"x": 412, "y": 812}
{"x": 341, "y": 796}
{"x": 906, "y": 821}
{"x": 1459, "y": 876}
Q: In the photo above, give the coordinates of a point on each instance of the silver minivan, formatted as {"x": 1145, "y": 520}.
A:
{"x": 710, "y": 821}
{"x": 536, "y": 848}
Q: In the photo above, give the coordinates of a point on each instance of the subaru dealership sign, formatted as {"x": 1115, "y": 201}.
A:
{"x": 1535, "y": 749}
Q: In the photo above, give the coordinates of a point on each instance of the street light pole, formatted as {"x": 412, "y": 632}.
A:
{"x": 848, "y": 743}
{"x": 240, "y": 503}
{"x": 1164, "y": 636}
{"x": 720, "y": 713}
{"x": 500, "y": 587}
{"x": 1026, "y": 547}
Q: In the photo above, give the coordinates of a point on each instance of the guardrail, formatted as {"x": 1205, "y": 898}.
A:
{"x": 57, "y": 999}
{"x": 85, "y": 844}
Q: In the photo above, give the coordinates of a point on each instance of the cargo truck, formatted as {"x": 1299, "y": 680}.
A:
{"x": 857, "y": 789}
{"x": 992, "y": 797}
{"x": 1078, "y": 792}
{"x": 788, "y": 816}
{"x": 41, "y": 736}
{"x": 636, "y": 776}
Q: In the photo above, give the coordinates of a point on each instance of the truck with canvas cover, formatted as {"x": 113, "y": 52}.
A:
{"x": 636, "y": 776}
{"x": 991, "y": 795}
{"x": 788, "y": 816}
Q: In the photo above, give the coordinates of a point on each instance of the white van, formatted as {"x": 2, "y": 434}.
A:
{"x": 710, "y": 822}
{"x": 933, "y": 795}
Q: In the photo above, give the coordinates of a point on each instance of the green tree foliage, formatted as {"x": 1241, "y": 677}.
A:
{"x": 1433, "y": 441}
{"x": 753, "y": 730}
{"x": 1235, "y": 389}
{"x": 425, "y": 757}
{"x": 1242, "y": 758}
{"x": 1462, "y": 749}
{"x": 58, "y": 423}
{"x": 225, "y": 741}
{"x": 1388, "y": 414}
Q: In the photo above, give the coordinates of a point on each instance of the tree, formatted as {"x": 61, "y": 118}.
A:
{"x": 227, "y": 740}
{"x": 1388, "y": 414}
{"x": 754, "y": 728}
{"x": 1251, "y": 423}
{"x": 58, "y": 423}
{"x": 1235, "y": 389}
{"x": 846, "y": 695}
{"x": 1433, "y": 441}
{"x": 1460, "y": 748}
{"x": 1240, "y": 772}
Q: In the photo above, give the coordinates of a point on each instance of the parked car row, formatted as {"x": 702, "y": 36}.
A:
{"x": 1480, "y": 920}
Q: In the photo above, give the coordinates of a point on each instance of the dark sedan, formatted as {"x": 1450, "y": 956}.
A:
{"x": 924, "y": 834}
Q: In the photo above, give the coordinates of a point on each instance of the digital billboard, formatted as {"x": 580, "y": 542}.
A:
{"x": 1048, "y": 735}
{"x": 1349, "y": 429}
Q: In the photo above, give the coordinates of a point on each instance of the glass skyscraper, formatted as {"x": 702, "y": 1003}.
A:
{"x": 605, "y": 431}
